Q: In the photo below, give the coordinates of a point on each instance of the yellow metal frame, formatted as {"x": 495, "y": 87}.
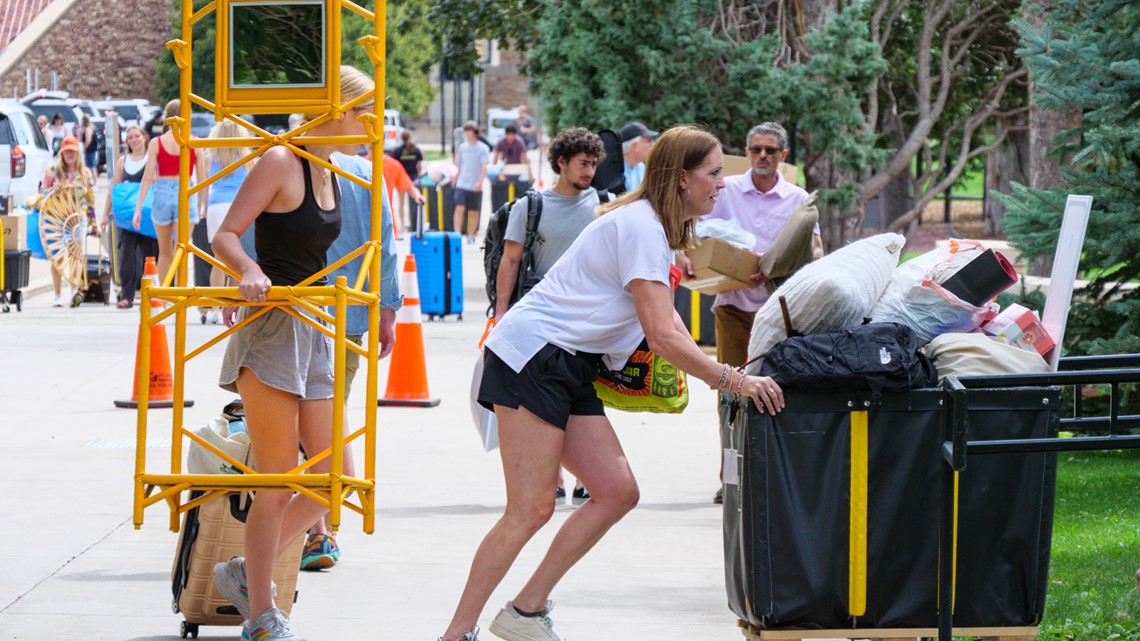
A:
{"x": 333, "y": 489}
{"x": 233, "y": 100}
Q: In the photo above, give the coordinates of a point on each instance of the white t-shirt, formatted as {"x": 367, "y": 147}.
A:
{"x": 584, "y": 302}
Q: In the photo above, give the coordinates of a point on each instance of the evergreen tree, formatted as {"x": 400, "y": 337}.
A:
{"x": 1090, "y": 62}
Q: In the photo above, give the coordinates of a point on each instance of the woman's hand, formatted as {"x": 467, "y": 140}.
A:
{"x": 681, "y": 259}
{"x": 136, "y": 220}
{"x": 763, "y": 391}
{"x": 254, "y": 284}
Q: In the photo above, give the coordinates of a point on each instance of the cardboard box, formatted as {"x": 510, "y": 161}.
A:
{"x": 736, "y": 165}
{"x": 719, "y": 267}
{"x": 1022, "y": 328}
{"x": 15, "y": 232}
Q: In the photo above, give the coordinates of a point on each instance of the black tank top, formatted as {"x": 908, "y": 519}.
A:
{"x": 291, "y": 246}
{"x": 137, "y": 176}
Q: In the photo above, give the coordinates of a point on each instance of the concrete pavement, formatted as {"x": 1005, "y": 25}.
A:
{"x": 75, "y": 568}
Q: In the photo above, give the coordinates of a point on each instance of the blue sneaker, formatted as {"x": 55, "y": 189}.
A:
{"x": 334, "y": 549}
{"x": 317, "y": 555}
{"x": 272, "y": 625}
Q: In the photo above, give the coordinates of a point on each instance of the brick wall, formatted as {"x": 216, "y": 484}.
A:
{"x": 99, "y": 48}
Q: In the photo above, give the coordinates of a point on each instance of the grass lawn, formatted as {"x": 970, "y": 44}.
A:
{"x": 1096, "y": 549}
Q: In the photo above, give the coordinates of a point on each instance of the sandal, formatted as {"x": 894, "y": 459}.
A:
{"x": 125, "y": 304}
{"x": 76, "y": 299}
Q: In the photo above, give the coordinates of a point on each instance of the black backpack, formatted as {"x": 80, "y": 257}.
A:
{"x": 609, "y": 177}
{"x": 879, "y": 357}
{"x": 495, "y": 239}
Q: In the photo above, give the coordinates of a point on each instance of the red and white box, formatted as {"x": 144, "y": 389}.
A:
{"x": 1022, "y": 328}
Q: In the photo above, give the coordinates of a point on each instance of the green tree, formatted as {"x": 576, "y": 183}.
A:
{"x": 1087, "y": 57}
{"x": 409, "y": 49}
{"x": 599, "y": 64}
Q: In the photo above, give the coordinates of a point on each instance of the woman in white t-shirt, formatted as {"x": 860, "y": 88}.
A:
{"x": 607, "y": 292}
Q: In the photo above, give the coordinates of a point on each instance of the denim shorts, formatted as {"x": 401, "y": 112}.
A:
{"x": 553, "y": 385}
{"x": 164, "y": 207}
{"x": 284, "y": 352}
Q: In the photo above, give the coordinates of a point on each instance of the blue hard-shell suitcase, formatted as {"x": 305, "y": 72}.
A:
{"x": 439, "y": 270}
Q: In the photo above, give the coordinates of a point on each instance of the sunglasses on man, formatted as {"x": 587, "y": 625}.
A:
{"x": 771, "y": 151}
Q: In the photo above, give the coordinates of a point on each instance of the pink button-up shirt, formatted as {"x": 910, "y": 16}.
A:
{"x": 762, "y": 214}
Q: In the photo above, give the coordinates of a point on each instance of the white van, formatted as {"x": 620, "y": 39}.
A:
{"x": 497, "y": 121}
{"x": 24, "y": 154}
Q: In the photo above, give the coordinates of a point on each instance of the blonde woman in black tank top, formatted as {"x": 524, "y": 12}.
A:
{"x": 282, "y": 411}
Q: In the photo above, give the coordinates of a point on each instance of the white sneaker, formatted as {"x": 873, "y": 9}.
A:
{"x": 512, "y": 626}
{"x": 57, "y": 301}
{"x": 214, "y": 316}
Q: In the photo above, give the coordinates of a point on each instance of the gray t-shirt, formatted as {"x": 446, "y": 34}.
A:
{"x": 470, "y": 157}
{"x": 563, "y": 218}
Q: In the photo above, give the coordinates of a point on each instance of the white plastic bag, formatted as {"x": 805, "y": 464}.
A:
{"x": 485, "y": 420}
{"x": 200, "y": 460}
{"x": 729, "y": 231}
{"x": 916, "y": 298}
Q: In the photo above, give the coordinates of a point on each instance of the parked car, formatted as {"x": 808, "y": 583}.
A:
{"x": 49, "y": 103}
{"x": 393, "y": 127}
{"x": 133, "y": 111}
{"x": 24, "y": 153}
{"x": 201, "y": 123}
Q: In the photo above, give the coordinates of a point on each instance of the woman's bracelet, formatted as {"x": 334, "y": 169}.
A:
{"x": 723, "y": 379}
{"x": 740, "y": 384}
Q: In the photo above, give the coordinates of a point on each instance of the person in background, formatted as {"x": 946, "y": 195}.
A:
{"x": 397, "y": 180}
{"x": 69, "y": 170}
{"x": 89, "y": 141}
{"x": 132, "y": 247}
{"x": 162, "y": 174}
{"x": 510, "y": 149}
{"x": 412, "y": 158}
{"x": 761, "y": 201}
{"x": 321, "y": 549}
{"x": 608, "y": 292}
{"x": 472, "y": 159}
{"x": 55, "y": 133}
{"x": 219, "y": 196}
{"x": 636, "y": 141}
{"x": 283, "y": 366}
{"x": 526, "y": 127}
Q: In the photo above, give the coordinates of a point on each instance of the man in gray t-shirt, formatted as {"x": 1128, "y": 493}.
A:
{"x": 472, "y": 157}
{"x": 567, "y": 208}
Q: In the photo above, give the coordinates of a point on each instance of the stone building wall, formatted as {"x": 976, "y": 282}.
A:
{"x": 98, "y": 48}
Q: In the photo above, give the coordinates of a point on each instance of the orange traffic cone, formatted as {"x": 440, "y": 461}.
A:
{"x": 407, "y": 373}
{"x": 161, "y": 390}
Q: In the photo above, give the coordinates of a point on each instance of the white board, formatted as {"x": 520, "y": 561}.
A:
{"x": 1065, "y": 262}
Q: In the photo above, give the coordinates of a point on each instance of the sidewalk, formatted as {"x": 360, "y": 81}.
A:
{"x": 74, "y": 568}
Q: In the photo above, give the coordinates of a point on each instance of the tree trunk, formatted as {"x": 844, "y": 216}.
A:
{"x": 1044, "y": 171}
{"x": 895, "y": 200}
{"x": 1004, "y": 166}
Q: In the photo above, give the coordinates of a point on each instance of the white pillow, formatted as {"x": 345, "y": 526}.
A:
{"x": 835, "y": 292}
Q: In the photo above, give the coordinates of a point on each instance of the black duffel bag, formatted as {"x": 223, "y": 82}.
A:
{"x": 879, "y": 357}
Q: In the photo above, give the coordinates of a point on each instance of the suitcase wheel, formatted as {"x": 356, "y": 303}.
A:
{"x": 189, "y": 630}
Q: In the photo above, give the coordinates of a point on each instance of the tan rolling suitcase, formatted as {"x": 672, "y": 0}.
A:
{"x": 210, "y": 534}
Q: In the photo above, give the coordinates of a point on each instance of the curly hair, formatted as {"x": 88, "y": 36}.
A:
{"x": 571, "y": 142}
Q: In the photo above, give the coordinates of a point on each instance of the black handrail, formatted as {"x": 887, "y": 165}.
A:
{"x": 1112, "y": 370}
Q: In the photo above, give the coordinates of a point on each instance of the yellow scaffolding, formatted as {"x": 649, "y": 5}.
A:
{"x": 333, "y": 489}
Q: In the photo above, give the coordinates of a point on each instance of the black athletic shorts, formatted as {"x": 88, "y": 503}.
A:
{"x": 553, "y": 385}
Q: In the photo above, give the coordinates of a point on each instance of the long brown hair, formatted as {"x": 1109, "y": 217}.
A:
{"x": 681, "y": 148}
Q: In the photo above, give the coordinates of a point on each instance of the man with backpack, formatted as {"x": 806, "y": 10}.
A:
{"x": 565, "y": 210}
{"x": 531, "y": 247}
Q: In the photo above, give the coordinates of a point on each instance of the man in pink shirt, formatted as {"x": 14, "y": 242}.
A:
{"x": 762, "y": 202}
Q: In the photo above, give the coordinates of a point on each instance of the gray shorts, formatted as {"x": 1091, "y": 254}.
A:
{"x": 284, "y": 352}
